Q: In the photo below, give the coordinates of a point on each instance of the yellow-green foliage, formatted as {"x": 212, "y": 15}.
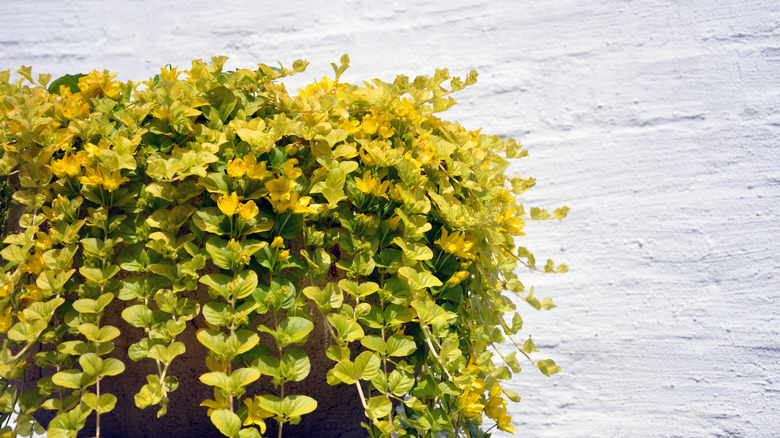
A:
{"x": 358, "y": 201}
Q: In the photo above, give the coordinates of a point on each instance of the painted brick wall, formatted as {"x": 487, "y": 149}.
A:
{"x": 656, "y": 121}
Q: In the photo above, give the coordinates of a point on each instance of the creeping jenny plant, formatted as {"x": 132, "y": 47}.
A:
{"x": 354, "y": 204}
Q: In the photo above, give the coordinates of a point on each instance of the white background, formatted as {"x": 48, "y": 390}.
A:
{"x": 656, "y": 121}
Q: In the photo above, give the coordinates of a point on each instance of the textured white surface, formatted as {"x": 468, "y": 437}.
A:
{"x": 657, "y": 122}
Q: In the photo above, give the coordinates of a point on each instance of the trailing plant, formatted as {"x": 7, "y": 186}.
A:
{"x": 355, "y": 204}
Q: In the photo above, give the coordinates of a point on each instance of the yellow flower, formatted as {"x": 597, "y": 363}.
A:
{"x": 100, "y": 176}
{"x": 495, "y": 390}
{"x": 256, "y": 414}
{"x": 495, "y": 408}
{"x": 366, "y": 183}
{"x": 457, "y": 278}
{"x": 7, "y": 320}
{"x": 470, "y": 404}
{"x": 279, "y": 189}
{"x": 254, "y": 169}
{"x": 455, "y": 243}
{"x": 510, "y": 223}
{"x": 374, "y": 124}
{"x": 236, "y": 168}
{"x": 219, "y": 402}
{"x": 228, "y": 204}
{"x": 290, "y": 170}
{"x": 42, "y": 241}
{"x": 170, "y": 75}
{"x": 99, "y": 83}
{"x": 248, "y": 210}
{"x": 386, "y": 130}
{"x": 297, "y": 205}
{"x": 317, "y": 88}
{"x": 504, "y": 423}
{"x": 370, "y": 124}
{"x": 278, "y": 242}
{"x": 6, "y": 285}
{"x": 372, "y": 185}
{"x": 73, "y": 105}
{"x": 68, "y": 165}
{"x": 351, "y": 126}
{"x": 32, "y": 294}
{"x": 216, "y": 365}
{"x": 34, "y": 263}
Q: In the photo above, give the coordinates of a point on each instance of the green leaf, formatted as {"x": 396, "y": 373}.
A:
{"x": 241, "y": 341}
{"x": 295, "y": 365}
{"x": 221, "y": 255}
{"x": 333, "y": 186}
{"x": 241, "y": 378}
{"x": 413, "y": 251}
{"x": 226, "y": 421}
{"x": 87, "y": 305}
{"x": 42, "y": 310}
{"x": 69, "y": 81}
{"x": 133, "y": 258}
{"x": 268, "y": 365}
{"x": 67, "y": 424}
{"x": 213, "y": 340}
{"x": 288, "y": 225}
{"x": 348, "y": 329}
{"x": 171, "y": 220}
{"x": 223, "y": 100}
{"x": 297, "y": 405}
{"x": 151, "y": 393}
{"x": 97, "y": 275}
{"x": 291, "y": 407}
{"x": 52, "y": 284}
{"x": 95, "y": 334}
{"x": 418, "y": 280}
{"x": 249, "y": 432}
{"x": 216, "y": 378}
{"x": 292, "y": 330}
{"x": 548, "y": 367}
{"x": 365, "y": 367}
{"x": 528, "y": 346}
{"x": 106, "y": 403}
{"x": 378, "y": 407}
{"x": 72, "y": 379}
{"x": 219, "y": 284}
{"x": 140, "y": 349}
{"x": 547, "y": 303}
{"x": 260, "y": 141}
{"x": 216, "y": 313}
{"x": 166, "y": 354}
{"x": 400, "y": 345}
{"x": 400, "y": 382}
{"x": 431, "y": 313}
{"x": 25, "y": 331}
{"x": 374, "y": 343}
{"x": 326, "y": 299}
{"x": 358, "y": 290}
{"x": 396, "y": 315}
{"x": 511, "y": 361}
{"x": 91, "y": 363}
{"x": 72, "y": 347}
{"x": 138, "y": 316}
{"x": 211, "y": 220}
{"x": 243, "y": 285}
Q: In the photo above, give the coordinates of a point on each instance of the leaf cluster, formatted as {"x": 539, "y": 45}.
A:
{"x": 353, "y": 204}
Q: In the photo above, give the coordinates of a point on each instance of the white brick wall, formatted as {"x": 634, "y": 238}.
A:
{"x": 656, "y": 121}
